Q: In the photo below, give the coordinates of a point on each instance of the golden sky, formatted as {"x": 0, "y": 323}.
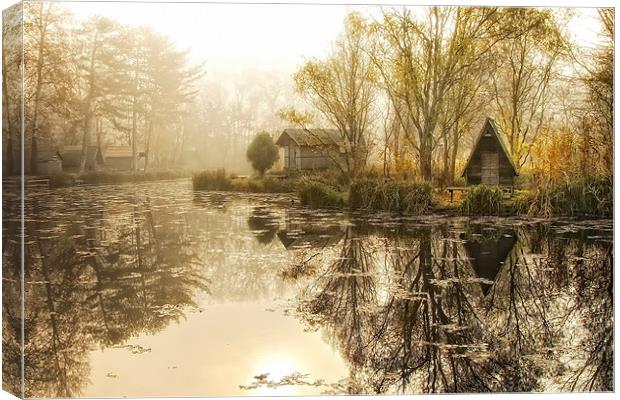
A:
{"x": 264, "y": 36}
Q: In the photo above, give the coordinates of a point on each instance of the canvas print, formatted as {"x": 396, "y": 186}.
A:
{"x": 217, "y": 199}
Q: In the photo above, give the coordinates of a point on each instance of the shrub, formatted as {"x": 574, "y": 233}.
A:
{"x": 318, "y": 195}
{"x": 262, "y": 153}
{"x": 211, "y": 180}
{"x": 273, "y": 185}
{"x": 584, "y": 197}
{"x": 483, "y": 200}
{"x": 415, "y": 198}
{"x": 378, "y": 194}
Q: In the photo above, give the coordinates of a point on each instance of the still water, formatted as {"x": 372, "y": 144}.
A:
{"x": 156, "y": 290}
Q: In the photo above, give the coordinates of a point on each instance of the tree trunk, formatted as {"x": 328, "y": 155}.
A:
{"x": 455, "y": 152}
{"x": 7, "y": 108}
{"x": 446, "y": 159}
{"x": 453, "y": 156}
{"x": 134, "y": 129}
{"x": 88, "y": 107}
{"x": 37, "y": 95}
{"x": 148, "y": 145}
{"x": 426, "y": 158}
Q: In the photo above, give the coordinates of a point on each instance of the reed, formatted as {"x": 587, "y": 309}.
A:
{"x": 483, "y": 200}
{"x": 389, "y": 195}
{"x": 587, "y": 197}
{"x": 319, "y": 195}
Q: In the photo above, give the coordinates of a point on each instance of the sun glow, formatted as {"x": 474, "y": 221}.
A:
{"x": 277, "y": 366}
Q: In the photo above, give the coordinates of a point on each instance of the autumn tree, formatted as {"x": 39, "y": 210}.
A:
{"x": 12, "y": 40}
{"x": 47, "y": 74}
{"x": 597, "y": 119}
{"x": 421, "y": 59}
{"x": 101, "y": 66}
{"x": 342, "y": 89}
{"x": 521, "y": 88}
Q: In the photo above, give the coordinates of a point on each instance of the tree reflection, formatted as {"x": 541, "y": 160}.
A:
{"x": 465, "y": 310}
{"x": 11, "y": 290}
{"x": 98, "y": 279}
{"x": 342, "y": 295}
{"x": 263, "y": 224}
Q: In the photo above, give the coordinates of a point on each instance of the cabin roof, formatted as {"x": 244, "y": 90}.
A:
{"x": 311, "y": 137}
{"x": 118, "y": 152}
{"x": 495, "y": 131}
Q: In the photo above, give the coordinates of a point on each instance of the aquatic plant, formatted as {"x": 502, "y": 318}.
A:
{"x": 585, "y": 197}
{"x": 318, "y": 195}
{"x": 211, "y": 180}
{"x": 270, "y": 185}
{"x": 389, "y": 195}
{"x": 483, "y": 200}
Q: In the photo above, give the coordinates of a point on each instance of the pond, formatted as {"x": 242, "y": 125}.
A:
{"x": 153, "y": 289}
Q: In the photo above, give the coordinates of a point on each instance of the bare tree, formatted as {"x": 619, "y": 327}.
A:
{"x": 342, "y": 89}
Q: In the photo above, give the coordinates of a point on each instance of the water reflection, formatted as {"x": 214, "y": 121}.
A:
{"x": 406, "y": 305}
{"x": 467, "y": 308}
{"x": 97, "y": 276}
{"x": 263, "y": 223}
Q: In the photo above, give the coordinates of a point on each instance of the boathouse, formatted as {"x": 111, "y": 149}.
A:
{"x": 307, "y": 149}
{"x": 49, "y": 162}
{"x": 72, "y": 155}
{"x": 490, "y": 162}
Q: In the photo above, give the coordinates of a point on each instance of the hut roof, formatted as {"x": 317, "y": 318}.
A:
{"x": 118, "y": 152}
{"x": 495, "y": 131}
{"x": 311, "y": 137}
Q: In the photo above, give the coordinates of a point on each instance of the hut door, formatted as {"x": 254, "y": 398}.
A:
{"x": 490, "y": 168}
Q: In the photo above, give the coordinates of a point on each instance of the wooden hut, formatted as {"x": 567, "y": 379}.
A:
{"x": 307, "y": 149}
{"x": 72, "y": 155}
{"x": 49, "y": 162}
{"x": 118, "y": 158}
{"x": 490, "y": 162}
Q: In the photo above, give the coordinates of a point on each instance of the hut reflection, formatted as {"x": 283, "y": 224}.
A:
{"x": 462, "y": 312}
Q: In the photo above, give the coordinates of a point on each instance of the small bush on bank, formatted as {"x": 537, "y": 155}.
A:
{"x": 318, "y": 195}
{"x": 585, "y": 197}
{"x": 262, "y": 153}
{"x": 212, "y": 180}
{"x": 483, "y": 200}
{"x": 378, "y": 194}
{"x": 61, "y": 179}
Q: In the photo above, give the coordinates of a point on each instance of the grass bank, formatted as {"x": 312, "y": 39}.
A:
{"x": 113, "y": 177}
{"x": 372, "y": 192}
{"x": 588, "y": 197}
{"x": 388, "y": 195}
{"x": 219, "y": 180}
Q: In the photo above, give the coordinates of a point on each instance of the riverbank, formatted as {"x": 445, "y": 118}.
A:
{"x": 113, "y": 177}
{"x": 586, "y": 198}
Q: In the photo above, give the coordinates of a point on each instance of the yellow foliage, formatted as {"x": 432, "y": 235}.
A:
{"x": 555, "y": 158}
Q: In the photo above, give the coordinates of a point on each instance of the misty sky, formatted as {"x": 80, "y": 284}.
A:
{"x": 235, "y": 37}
